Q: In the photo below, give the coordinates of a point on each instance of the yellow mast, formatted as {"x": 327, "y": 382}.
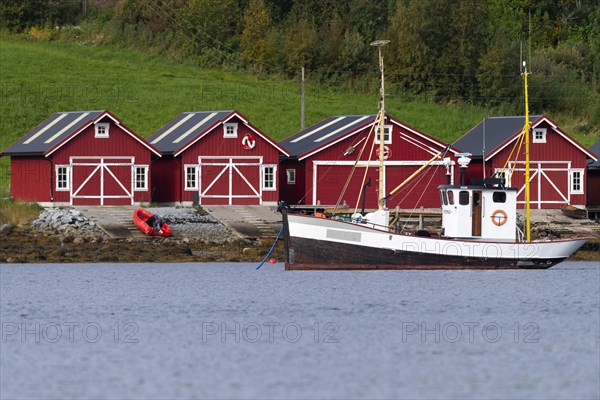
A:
{"x": 526, "y": 133}
{"x": 381, "y": 202}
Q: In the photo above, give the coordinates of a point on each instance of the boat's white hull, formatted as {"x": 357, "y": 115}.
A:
{"x": 320, "y": 243}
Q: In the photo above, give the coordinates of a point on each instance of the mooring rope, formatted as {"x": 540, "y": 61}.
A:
{"x": 270, "y": 251}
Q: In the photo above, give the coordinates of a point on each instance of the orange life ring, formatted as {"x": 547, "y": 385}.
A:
{"x": 248, "y": 142}
{"x": 499, "y": 217}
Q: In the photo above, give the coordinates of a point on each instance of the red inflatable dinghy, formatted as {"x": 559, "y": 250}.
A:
{"x": 140, "y": 218}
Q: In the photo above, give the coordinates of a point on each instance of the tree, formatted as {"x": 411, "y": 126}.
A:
{"x": 498, "y": 71}
{"x": 255, "y": 44}
{"x": 18, "y": 15}
{"x": 213, "y": 23}
{"x": 300, "y": 43}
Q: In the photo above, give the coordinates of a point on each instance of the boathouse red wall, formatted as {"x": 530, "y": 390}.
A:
{"x": 30, "y": 178}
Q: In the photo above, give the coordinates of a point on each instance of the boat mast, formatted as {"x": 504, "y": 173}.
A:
{"x": 526, "y": 133}
{"x": 381, "y": 201}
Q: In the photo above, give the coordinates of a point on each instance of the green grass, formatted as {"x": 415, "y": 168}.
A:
{"x": 38, "y": 78}
{"x": 16, "y": 212}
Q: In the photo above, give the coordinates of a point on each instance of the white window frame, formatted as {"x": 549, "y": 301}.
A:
{"x": 232, "y": 125}
{"x": 135, "y": 178}
{"x": 542, "y": 131}
{"x": 263, "y": 181}
{"x": 187, "y": 186}
{"x": 572, "y": 181}
{"x": 67, "y": 178}
{"x": 291, "y": 176}
{"x": 387, "y": 134}
{"x": 98, "y": 126}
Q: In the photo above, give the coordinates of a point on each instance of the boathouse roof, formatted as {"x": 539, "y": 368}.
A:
{"x": 53, "y": 130}
{"x": 491, "y": 133}
{"x": 185, "y": 128}
{"x": 59, "y": 128}
{"x": 596, "y": 150}
{"x": 324, "y": 132}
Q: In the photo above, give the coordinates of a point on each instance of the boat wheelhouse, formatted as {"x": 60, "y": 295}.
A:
{"x": 479, "y": 212}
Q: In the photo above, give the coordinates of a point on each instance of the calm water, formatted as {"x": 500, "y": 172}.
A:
{"x": 228, "y": 331}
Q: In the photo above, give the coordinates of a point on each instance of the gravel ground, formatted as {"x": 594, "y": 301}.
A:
{"x": 188, "y": 224}
{"x": 193, "y": 225}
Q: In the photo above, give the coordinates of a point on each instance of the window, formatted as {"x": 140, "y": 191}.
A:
{"x": 499, "y": 197}
{"x": 291, "y": 176}
{"x": 141, "y": 178}
{"x": 387, "y": 134}
{"x": 191, "y": 177}
{"x": 463, "y": 198}
{"x": 230, "y": 130}
{"x": 102, "y": 130}
{"x": 268, "y": 181}
{"x": 62, "y": 177}
{"x": 444, "y": 197}
{"x": 577, "y": 181}
{"x": 539, "y": 135}
{"x": 450, "y": 197}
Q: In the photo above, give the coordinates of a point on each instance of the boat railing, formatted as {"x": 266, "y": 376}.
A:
{"x": 520, "y": 235}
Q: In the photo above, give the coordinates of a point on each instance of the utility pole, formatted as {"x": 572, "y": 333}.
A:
{"x": 302, "y": 101}
{"x": 84, "y": 7}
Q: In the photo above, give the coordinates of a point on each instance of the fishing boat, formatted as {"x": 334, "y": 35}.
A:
{"x": 143, "y": 219}
{"x": 479, "y": 226}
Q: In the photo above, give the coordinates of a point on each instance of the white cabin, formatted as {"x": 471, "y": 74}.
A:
{"x": 479, "y": 212}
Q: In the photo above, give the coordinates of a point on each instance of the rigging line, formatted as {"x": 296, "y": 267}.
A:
{"x": 419, "y": 171}
{"x": 343, "y": 192}
{"x": 320, "y": 178}
{"x": 408, "y": 189}
{"x": 420, "y": 197}
{"x": 521, "y": 140}
{"x": 362, "y": 185}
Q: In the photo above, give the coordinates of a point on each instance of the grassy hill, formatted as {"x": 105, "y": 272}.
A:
{"x": 39, "y": 78}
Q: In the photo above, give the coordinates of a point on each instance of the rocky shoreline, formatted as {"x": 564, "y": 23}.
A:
{"x": 65, "y": 235}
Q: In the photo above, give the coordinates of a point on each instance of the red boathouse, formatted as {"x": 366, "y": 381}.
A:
{"x": 557, "y": 161}
{"x": 215, "y": 157}
{"x": 323, "y": 155}
{"x": 81, "y": 158}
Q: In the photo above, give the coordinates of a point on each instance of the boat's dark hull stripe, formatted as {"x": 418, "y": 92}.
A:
{"x": 315, "y": 254}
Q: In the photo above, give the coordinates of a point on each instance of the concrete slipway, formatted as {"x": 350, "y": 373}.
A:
{"x": 245, "y": 221}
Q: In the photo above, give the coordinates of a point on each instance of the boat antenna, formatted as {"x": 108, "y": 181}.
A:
{"x": 381, "y": 201}
{"x": 526, "y": 133}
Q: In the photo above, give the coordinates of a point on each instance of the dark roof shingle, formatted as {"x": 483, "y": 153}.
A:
{"x": 184, "y": 128}
{"x": 491, "y": 133}
{"x": 52, "y": 131}
{"x": 323, "y": 132}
